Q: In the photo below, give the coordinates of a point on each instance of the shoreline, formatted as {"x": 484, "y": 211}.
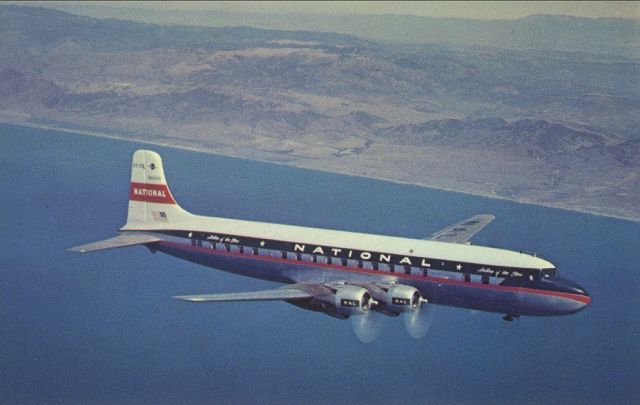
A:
{"x": 205, "y": 150}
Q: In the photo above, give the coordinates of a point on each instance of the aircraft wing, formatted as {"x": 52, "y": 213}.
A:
{"x": 122, "y": 240}
{"x": 286, "y": 293}
{"x": 462, "y": 231}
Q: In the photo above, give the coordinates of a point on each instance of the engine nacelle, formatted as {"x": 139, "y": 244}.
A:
{"x": 352, "y": 300}
{"x": 341, "y": 301}
{"x": 403, "y": 298}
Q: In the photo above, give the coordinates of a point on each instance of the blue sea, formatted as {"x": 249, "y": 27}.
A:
{"x": 102, "y": 327}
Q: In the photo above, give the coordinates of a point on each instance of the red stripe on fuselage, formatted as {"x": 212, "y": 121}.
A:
{"x": 577, "y": 297}
{"x": 155, "y": 193}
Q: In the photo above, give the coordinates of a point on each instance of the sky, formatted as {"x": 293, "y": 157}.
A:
{"x": 485, "y": 10}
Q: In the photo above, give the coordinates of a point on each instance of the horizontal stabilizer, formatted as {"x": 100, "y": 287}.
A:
{"x": 266, "y": 295}
{"x": 462, "y": 231}
{"x": 122, "y": 240}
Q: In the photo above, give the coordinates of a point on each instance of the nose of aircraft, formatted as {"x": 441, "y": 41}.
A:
{"x": 585, "y": 299}
{"x": 574, "y": 288}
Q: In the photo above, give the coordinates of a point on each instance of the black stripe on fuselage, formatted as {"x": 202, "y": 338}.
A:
{"x": 343, "y": 254}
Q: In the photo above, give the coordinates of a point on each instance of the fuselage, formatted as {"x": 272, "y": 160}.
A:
{"x": 461, "y": 275}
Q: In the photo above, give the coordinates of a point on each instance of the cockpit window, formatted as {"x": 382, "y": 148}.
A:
{"x": 549, "y": 273}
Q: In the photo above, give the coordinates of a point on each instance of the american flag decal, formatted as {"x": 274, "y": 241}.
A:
{"x": 159, "y": 216}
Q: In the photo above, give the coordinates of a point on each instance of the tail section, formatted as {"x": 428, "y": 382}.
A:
{"x": 151, "y": 206}
{"x": 150, "y": 200}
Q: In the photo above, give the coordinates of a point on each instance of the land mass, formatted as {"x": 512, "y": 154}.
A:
{"x": 550, "y": 127}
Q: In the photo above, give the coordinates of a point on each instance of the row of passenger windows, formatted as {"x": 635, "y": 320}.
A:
{"x": 363, "y": 264}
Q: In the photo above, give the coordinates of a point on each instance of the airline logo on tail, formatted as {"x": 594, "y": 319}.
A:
{"x": 155, "y": 193}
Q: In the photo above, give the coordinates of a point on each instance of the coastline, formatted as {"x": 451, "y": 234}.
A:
{"x": 218, "y": 152}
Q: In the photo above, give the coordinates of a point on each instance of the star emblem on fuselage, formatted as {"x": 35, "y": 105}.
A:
{"x": 459, "y": 267}
{"x": 262, "y": 243}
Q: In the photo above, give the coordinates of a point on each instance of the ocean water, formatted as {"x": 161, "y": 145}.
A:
{"x": 102, "y": 327}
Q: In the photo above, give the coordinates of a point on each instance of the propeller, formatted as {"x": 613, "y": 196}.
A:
{"x": 419, "y": 322}
{"x": 368, "y": 325}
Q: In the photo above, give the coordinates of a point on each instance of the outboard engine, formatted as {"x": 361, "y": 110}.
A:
{"x": 340, "y": 302}
{"x": 352, "y": 300}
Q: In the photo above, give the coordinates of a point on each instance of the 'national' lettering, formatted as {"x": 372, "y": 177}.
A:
{"x": 149, "y": 193}
{"x": 155, "y": 193}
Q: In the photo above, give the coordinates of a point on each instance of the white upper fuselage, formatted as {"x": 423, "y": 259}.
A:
{"x": 351, "y": 240}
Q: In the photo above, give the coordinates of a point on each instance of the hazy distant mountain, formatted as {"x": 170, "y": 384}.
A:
{"x": 48, "y": 28}
{"x": 546, "y": 126}
{"x": 542, "y": 32}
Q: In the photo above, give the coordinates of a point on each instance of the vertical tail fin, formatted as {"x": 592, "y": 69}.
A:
{"x": 150, "y": 201}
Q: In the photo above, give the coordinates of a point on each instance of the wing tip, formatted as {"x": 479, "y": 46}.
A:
{"x": 187, "y": 298}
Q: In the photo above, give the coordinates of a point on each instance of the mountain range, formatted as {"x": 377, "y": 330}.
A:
{"x": 554, "y": 125}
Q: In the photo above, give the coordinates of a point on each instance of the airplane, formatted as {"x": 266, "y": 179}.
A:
{"x": 344, "y": 274}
